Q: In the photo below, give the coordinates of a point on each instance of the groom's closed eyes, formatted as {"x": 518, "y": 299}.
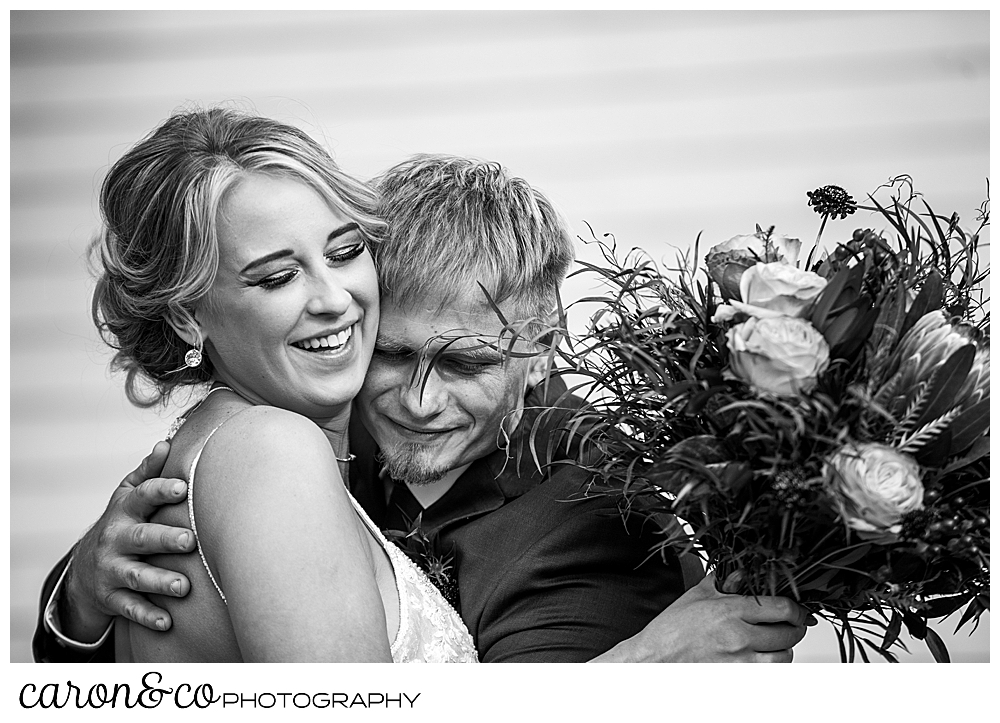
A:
{"x": 461, "y": 355}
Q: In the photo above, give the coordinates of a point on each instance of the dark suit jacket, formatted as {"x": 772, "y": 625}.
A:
{"x": 544, "y": 572}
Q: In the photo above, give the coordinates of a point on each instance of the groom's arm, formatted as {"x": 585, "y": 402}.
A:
{"x": 105, "y": 575}
{"x": 583, "y": 584}
{"x": 589, "y": 590}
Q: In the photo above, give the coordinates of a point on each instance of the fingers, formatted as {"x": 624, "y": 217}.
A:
{"x": 766, "y": 609}
{"x": 139, "y": 610}
{"x": 141, "y": 502}
{"x": 151, "y": 466}
{"x": 149, "y": 538}
{"x": 142, "y": 577}
{"x": 773, "y": 637}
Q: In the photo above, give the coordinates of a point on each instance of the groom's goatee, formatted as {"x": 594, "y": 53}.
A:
{"x": 404, "y": 463}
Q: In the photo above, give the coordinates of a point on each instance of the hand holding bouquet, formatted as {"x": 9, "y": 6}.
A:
{"x": 822, "y": 428}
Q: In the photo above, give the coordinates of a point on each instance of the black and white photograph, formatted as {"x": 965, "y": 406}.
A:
{"x": 493, "y": 336}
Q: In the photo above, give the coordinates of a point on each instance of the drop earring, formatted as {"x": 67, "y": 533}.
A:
{"x": 193, "y": 358}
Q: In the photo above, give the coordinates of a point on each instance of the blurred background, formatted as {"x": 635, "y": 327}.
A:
{"x": 653, "y": 126}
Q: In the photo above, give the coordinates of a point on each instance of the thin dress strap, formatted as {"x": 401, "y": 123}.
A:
{"x": 394, "y": 554}
{"x": 190, "y": 505}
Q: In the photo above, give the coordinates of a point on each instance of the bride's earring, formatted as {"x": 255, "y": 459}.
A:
{"x": 193, "y": 358}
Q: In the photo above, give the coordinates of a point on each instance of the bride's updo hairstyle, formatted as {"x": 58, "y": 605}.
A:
{"x": 157, "y": 253}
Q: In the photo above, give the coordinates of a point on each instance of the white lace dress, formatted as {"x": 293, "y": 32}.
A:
{"x": 430, "y": 630}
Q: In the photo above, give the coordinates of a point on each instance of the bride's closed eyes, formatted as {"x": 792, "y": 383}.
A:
{"x": 334, "y": 258}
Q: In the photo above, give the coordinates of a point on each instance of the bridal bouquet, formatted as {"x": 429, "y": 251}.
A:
{"x": 821, "y": 424}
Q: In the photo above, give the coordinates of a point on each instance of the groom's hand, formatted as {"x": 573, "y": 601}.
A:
{"x": 706, "y": 626}
{"x": 108, "y": 573}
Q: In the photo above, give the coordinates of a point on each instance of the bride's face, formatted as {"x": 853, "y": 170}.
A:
{"x": 292, "y": 316}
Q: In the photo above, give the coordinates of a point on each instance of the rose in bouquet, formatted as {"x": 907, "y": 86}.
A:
{"x": 822, "y": 426}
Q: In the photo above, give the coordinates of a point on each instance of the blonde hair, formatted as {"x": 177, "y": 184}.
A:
{"x": 453, "y": 222}
{"x": 157, "y": 252}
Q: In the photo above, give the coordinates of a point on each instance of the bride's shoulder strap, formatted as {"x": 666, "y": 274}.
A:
{"x": 236, "y": 411}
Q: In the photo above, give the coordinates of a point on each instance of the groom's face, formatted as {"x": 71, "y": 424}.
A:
{"x": 428, "y": 421}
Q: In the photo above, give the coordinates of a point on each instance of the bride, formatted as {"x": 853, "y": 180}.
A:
{"x": 234, "y": 252}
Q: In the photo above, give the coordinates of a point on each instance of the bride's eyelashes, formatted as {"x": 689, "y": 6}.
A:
{"x": 339, "y": 256}
{"x": 346, "y": 253}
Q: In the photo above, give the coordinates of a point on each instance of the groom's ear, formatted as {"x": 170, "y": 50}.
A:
{"x": 538, "y": 368}
{"x": 185, "y": 325}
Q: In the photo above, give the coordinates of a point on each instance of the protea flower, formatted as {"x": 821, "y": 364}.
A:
{"x": 938, "y": 388}
{"x": 927, "y": 345}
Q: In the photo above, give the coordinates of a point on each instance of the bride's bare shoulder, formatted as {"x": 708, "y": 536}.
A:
{"x": 268, "y": 436}
{"x": 258, "y": 457}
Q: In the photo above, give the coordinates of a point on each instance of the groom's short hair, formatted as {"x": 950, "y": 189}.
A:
{"x": 453, "y": 222}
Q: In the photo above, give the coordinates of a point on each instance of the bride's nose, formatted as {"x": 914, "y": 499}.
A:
{"x": 328, "y": 294}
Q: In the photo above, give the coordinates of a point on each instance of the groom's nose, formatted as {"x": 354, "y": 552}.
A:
{"x": 425, "y": 395}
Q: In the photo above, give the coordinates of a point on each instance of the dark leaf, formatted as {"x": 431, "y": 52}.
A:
{"x": 889, "y": 656}
{"x": 906, "y": 566}
{"x": 979, "y": 449}
{"x": 861, "y": 649}
{"x": 820, "y": 582}
{"x": 934, "y": 453}
{"x": 915, "y": 625}
{"x": 705, "y": 448}
{"x": 735, "y": 477}
{"x": 974, "y": 611}
{"x": 698, "y": 401}
{"x": 859, "y": 335}
{"x": 886, "y": 328}
{"x": 840, "y": 644}
{"x": 929, "y": 299}
{"x": 937, "y": 647}
{"x": 968, "y": 426}
{"x": 828, "y": 298}
{"x": 851, "y": 556}
{"x": 946, "y": 382}
{"x": 493, "y": 304}
{"x": 892, "y": 631}
{"x": 840, "y": 327}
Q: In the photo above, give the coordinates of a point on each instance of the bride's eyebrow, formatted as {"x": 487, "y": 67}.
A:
{"x": 346, "y": 228}
{"x": 275, "y": 255}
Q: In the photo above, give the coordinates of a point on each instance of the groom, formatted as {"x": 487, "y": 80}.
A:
{"x": 457, "y": 412}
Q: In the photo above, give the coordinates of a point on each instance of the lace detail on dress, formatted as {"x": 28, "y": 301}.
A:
{"x": 430, "y": 630}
